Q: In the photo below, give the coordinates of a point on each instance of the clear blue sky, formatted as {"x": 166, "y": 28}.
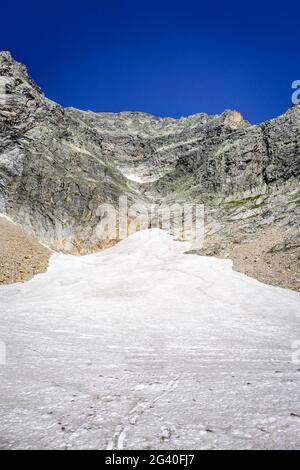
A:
{"x": 168, "y": 58}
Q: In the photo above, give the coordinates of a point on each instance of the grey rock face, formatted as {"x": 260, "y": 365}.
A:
{"x": 57, "y": 165}
{"x": 235, "y": 160}
{"x": 145, "y": 147}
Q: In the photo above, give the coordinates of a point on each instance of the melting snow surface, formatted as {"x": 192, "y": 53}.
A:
{"x": 144, "y": 347}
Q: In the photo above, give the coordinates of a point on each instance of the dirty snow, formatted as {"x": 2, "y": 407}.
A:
{"x": 144, "y": 347}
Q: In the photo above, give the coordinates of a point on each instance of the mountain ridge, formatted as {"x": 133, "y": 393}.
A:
{"x": 57, "y": 165}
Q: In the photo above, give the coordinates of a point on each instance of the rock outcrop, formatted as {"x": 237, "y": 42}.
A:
{"x": 57, "y": 165}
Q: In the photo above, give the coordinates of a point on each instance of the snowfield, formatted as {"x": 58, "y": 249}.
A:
{"x": 144, "y": 347}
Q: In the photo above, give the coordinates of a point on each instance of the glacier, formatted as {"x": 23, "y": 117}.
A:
{"x": 142, "y": 346}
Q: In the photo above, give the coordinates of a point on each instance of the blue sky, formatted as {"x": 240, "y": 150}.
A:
{"x": 168, "y": 58}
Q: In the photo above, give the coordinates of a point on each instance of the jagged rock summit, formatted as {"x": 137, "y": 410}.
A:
{"x": 57, "y": 165}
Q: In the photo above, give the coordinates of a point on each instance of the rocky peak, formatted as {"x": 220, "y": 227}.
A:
{"x": 19, "y": 85}
{"x": 234, "y": 120}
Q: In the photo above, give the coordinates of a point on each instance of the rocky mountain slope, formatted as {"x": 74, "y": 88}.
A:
{"x": 57, "y": 165}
